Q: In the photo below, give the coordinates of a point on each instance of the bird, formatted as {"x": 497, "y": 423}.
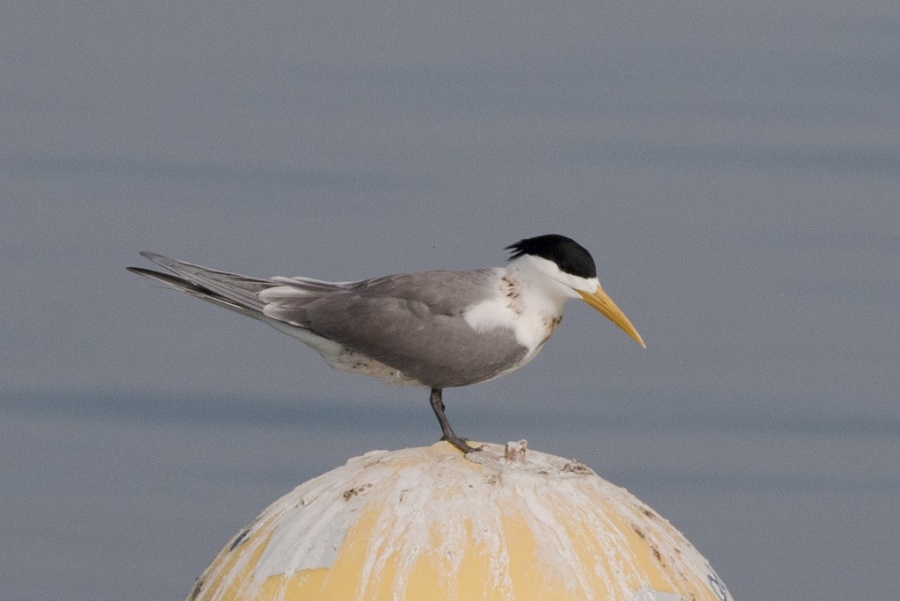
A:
{"x": 437, "y": 329}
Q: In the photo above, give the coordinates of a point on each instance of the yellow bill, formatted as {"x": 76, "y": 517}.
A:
{"x": 601, "y": 301}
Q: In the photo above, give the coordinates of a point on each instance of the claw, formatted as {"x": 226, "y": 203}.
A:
{"x": 460, "y": 443}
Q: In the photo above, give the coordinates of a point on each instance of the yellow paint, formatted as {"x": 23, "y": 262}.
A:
{"x": 594, "y": 555}
{"x": 640, "y": 553}
{"x": 632, "y": 550}
{"x": 531, "y": 579}
{"x": 427, "y": 580}
{"x": 306, "y": 584}
{"x": 520, "y": 547}
{"x": 344, "y": 579}
{"x": 474, "y": 580}
{"x": 655, "y": 560}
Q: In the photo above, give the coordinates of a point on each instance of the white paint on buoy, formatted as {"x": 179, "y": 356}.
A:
{"x": 502, "y": 524}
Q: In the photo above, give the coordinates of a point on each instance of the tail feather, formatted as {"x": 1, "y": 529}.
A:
{"x": 229, "y": 290}
{"x": 242, "y": 294}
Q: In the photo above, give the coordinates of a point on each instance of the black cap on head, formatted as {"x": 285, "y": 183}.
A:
{"x": 569, "y": 256}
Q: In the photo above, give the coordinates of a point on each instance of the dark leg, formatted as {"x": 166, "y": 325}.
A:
{"x": 437, "y": 404}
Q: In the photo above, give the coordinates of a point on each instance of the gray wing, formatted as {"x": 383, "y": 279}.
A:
{"x": 411, "y": 322}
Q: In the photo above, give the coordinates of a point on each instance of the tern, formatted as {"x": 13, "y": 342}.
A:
{"x": 438, "y": 329}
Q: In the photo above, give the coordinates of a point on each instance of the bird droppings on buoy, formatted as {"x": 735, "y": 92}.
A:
{"x": 503, "y": 524}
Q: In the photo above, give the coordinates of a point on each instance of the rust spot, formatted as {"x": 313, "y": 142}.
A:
{"x": 576, "y": 468}
{"x": 638, "y": 531}
{"x": 352, "y": 492}
{"x": 657, "y": 554}
{"x": 515, "y": 451}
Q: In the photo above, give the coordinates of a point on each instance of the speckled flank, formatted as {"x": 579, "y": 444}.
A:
{"x": 430, "y": 523}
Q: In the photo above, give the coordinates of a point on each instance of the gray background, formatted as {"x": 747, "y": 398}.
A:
{"x": 734, "y": 169}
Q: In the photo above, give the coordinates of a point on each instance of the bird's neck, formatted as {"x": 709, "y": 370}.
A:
{"x": 537, "y": 302}
{"x": 533, "y": 292}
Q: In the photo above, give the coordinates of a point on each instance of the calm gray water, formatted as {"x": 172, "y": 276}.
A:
{"x": 734, "y": 169}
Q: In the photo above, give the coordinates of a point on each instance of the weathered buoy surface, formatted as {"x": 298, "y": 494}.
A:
{"x": 432, "y": 524}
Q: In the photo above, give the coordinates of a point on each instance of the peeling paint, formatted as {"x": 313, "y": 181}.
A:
{"x": 433, "y": 523}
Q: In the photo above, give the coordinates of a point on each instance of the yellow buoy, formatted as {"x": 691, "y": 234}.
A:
{"x": 432, "y": 524}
